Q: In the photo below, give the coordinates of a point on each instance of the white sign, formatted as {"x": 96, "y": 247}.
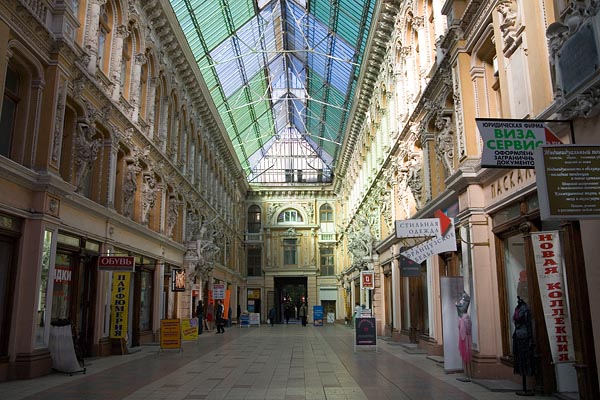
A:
{"x": 219, "y": 291}
{"x": 412, "y": 228}
{"x": 549, "y": 266}
{"x": 437, "y": 245}
{"x": 509, "y": 143}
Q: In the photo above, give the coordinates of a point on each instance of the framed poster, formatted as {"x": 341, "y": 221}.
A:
{"x": 178, "y": 280}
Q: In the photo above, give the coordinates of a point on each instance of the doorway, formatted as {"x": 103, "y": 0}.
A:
{"x": 290, "y": 292}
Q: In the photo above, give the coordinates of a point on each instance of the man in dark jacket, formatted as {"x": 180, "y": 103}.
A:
{"x": 219, "y": 314}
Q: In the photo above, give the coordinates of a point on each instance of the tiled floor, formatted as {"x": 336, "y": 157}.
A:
{"x": 281, "y": 362}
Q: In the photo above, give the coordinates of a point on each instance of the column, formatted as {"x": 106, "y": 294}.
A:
{"x": 139, "y": 60}
{"x": 117, "y": 58}
{"x": 91, "y": 38}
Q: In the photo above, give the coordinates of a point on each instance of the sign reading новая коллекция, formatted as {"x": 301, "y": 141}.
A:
{"x": 511, "y": 143}
{"x": 568, "y": 178}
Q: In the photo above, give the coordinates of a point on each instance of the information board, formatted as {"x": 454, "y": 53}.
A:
{"x": 189, "y": 328}
{"x": 365, "y": 332}
{"x": 244, "y": 320}
{"x": 568, "y": 181}
{"x": 318, "y": 315}
{"x": 254, "y": 319}
{"x": 170, "y": 334}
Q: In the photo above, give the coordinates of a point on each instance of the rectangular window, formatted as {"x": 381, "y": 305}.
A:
{"x": 327, "y": 266}
{"x": 254, "y": 262}
{"x": 146, "y": 300}
{"x": 289, "y": 252}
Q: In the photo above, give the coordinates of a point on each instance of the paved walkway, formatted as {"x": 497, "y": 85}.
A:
{"x": 282, "y": 362}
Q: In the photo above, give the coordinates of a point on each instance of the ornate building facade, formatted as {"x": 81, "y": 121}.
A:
{"x": 109, "y": 145}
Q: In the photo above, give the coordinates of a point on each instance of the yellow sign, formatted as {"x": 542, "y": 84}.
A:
{"x": 170, "y": 334}
{"x": 119, "y": 305}
{"x": 189, "y": 328}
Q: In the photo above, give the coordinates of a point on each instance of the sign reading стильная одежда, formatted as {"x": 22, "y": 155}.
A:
{"x": 509, "y": 143}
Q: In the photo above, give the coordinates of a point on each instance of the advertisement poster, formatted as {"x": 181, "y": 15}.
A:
{"x": 178, "y": 280}
{"x": 119, "y": 306}
{"x": 318, "y": 315}
{"x": 367, "y": 280}
{"x": 365, "y": 332}
{"x": 170, "y": 334}
{"x": 189, "y": 328}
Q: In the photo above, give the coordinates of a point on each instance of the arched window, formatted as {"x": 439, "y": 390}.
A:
{"x": 9, "y": 110}
{"x": 326, "y": 213}
{"x": 289, "y": 216}
{"x": 254, "y": 219}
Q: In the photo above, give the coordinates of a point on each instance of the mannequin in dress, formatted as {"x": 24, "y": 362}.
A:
{"x": 464, "y": 333}
{"x": 523, "y": 343}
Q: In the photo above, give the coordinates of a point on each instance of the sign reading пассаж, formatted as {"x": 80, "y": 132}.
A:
{"x": 511, "y": 143}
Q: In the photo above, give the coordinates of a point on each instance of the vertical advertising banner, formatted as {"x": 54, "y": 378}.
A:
{"x": 119, "y": 305}
{"x": 549, "y": 266}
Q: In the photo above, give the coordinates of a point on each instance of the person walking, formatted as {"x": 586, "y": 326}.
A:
{"x": 200, "y": 316}
{"x": 302, "y": 313}
{"x": 272, "y": 315}
{"x": 219, "y": 314}
{"x": 286, "y": 313}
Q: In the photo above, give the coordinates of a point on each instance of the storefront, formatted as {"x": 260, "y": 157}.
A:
{"x": 9, "y": 239}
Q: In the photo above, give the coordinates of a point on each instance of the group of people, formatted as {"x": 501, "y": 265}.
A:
{"x": 207, "y": 322}
{"x": 287, "y": 311}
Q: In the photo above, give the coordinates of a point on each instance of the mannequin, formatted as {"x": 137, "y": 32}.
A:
{"x": 464, "y": 333}
{"x": 523, "y": 344}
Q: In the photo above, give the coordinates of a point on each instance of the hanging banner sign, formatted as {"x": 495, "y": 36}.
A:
{"x": 549, "y": 266}
{"x": 116, "y": 263}
{"x": 119, "y": 305}
{"x": 445, "y": 241}
{"x": 511, "y": 143}
{"x": 367, "y": 280}
{"x": 407, "y": 266}
{"x": 412, "y": 228}
{"x": 219, "y": 291}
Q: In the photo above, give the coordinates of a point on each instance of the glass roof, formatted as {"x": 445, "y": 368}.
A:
{"x": 282, "y": 75}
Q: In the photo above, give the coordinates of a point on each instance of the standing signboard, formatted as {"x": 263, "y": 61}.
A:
{"x": 318, "y": 315}
{"x": 170, "y": 334}
{"x": 245, "y": 320}
{"x": 189, "y": 328}
{"x": 568, "y": 181}
{"x": 365, "y": 332}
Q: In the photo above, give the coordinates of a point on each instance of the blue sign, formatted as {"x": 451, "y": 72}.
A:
{"x": 318, "y": 315}
{"x": 244, "y": 320}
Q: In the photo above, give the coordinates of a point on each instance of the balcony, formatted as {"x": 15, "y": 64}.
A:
{"x": 253, "y": 237}
{"x": 327, "y": 237}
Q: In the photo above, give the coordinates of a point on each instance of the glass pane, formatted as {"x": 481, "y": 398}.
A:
{"x": 61, "y": 293}
{"x": 516, "y": 275}
{"x": 146, "y": 301}
{"x": 507, "y": 213}
{"x": 41, "y": 321}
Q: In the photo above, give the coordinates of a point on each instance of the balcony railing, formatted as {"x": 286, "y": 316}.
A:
{"x": 254, "y": 237}
{"x": 327, "y": 237}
